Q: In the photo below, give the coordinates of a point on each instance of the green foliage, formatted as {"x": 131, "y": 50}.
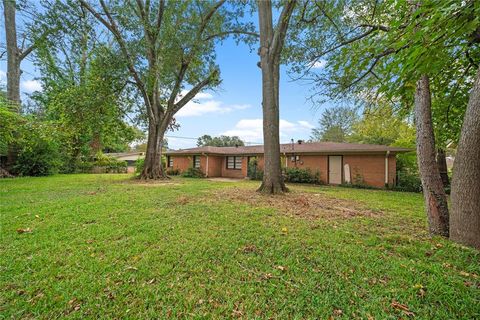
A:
{"x": 193, "y": 173}
{"x": 253, "y": 172}
{"x": 38, "y": 150}
{"x": 300, "y": 175}
{"x": 109, "y": 164}
{"x": 139, "y": 165}
{"x": 335, "y": 124}
{"x": 221, "y": 141}
{"x": 173, "y": 172}
{"x": 10, "y": 121}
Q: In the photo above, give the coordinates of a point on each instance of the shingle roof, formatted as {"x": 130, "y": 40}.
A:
{"x": 304, "y": 147}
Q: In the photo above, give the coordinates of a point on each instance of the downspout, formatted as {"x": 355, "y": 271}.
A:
{"x": 206, "y": 170}
{"x": 386, "y": 168}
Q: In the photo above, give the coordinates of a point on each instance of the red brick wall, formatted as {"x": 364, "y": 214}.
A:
{"x": 182, "y": 163}
{"x": 314, "y": 162}
{"x": 371, "y": 168}
{"x": 234, "y": 173}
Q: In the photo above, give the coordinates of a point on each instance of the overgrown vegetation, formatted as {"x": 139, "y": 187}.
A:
{"x": 300, "y": 175}
{"x": 181, "y": 249}
{"x": 193, "y": 173}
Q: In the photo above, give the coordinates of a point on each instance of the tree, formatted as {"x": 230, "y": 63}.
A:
{"x": 382, "y": 50}
{"x": 15, "y": 55}
{"x": 271, "y": 45}
{"x": 167, "y": 46}
{"x": 221, "y": 141}
{"x": 335, "y": 124}
{"x": 465, "y": 217}
{"x": 433, "y": 192}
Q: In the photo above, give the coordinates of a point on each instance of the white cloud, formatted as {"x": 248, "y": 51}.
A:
{"x": 251, "y": 130}
{"x": 204, "y": 103}
{"x": 306, "y": 124}
{"x": 30, "y": 86}
{"x": 319, "y": 64}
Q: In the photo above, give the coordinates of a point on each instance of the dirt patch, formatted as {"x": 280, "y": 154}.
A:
{"x": 152, "y": 183}
{"x": 299, "y": 204}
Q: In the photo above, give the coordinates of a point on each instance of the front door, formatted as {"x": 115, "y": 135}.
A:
{"x": 334, "y": 169}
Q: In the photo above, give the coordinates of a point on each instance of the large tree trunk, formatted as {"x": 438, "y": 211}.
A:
{"x": 152, "y": 168}
{"x": 434, "y": 194}
{"x": 442, "y": 166}
{"x": 465, "y": 217}
{"x": 272, "y": 176}
{"x": 13, "y": 71}
{"x": 13, "y": 54}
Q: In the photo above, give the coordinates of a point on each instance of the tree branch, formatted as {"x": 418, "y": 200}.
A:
{"x": 193, "y": 92}
{"x": 281, "y": 30}
{"x": 225, "y": 33}
{"x": 112, "y": 27}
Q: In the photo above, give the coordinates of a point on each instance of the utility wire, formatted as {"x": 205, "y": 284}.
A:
{"x": 191, "y": 138}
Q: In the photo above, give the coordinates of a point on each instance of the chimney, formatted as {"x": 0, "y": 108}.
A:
{"x": 300, "y": 141}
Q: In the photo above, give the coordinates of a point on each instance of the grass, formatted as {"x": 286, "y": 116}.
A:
{"x": 103, "y": 246}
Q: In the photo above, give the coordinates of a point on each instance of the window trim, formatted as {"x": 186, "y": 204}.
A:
{"x": 169, "y": 162}
{"x": 195, "y": 162}
{"x": 234, "y": 162}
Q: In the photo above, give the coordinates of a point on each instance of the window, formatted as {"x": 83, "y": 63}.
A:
{"x": 196, "y": 161}
{"x": 169, "y": 162}
{"x": 234, "y": 163}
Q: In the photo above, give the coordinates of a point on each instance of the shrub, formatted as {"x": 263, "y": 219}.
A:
{"x": 139, "y": 164}
{"x": 408, "y": 181}
{"x": 300, "y": 175}
{"x": 252, "y": 170}
{"x": 193, "y": 173}
{"x": 38, "y": 152}
{"x": 173, "y": 172}
{"x": 109, "y": 164}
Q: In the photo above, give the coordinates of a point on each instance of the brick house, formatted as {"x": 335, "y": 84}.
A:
{"x": 337, "y": 163}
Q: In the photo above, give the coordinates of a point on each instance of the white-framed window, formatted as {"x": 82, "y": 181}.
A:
{"x": 196, "y": 161}
{"x": 169, "y": 161}
{"x": 234, "y": 162}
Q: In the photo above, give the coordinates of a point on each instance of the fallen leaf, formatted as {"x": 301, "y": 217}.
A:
{"x": 337, "y": 312}
{"x": 26, "y": 230}
{"x": 281, "y": 268}
{"x": 284, "y": 230}
{"x": 402, "y": 307}
{"x": 151, "y": 281}
{"x": 131, "y": 268}
{"x": 37, "y": 216}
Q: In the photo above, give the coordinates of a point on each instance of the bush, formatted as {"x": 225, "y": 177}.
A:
{"x": 173, "y": 172}
{"x": 252, "y": 170}
{"x": 139, "y": 164}
{"x": 408, "y": 181}
{"x": 38, "y": 152}
{"x": 300, "y": 175}
{"x": 193, "y": 173}
{"x": 107, "y": 164}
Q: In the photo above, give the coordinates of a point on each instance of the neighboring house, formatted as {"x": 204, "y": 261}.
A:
{"x": 130, "y": 157}
{"x": 337, "y": 163}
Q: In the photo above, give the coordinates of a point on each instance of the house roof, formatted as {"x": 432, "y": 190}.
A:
{"x": 299, "y": 148}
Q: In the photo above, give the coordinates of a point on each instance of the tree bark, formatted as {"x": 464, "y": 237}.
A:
{"x": 152, "y": 167}
{"x": 13, "y": 72}
{"x": 442, "y": 167}
{"x": 13, "y": 55}
{"x": 465, "y": 217}
{"x": 271, "y": 44}
{"x": 433, "y": 191}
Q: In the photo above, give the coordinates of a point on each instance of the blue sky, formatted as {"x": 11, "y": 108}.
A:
{"x": 232, "y": 109}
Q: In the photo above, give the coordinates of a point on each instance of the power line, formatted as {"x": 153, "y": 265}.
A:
{"x": 191, "y": 138}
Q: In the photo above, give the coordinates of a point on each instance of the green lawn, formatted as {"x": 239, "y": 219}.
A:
{"x": 104, "y": 246}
